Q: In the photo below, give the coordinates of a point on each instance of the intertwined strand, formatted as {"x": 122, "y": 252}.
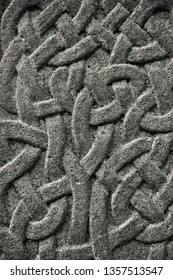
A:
{"x": 86, "y": 129}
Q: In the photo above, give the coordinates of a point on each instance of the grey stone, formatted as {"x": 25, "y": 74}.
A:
{"x": 86, "y": 129}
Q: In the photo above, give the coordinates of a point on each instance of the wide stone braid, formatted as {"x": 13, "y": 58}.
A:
{"x": 86, "y": 130}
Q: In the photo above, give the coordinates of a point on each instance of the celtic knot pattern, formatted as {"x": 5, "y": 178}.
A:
{"x": 86, "y": 130}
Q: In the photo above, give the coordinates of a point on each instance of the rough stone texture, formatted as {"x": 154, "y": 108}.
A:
{"x": 86, "y": 129}
{"x": 3, "y": 5}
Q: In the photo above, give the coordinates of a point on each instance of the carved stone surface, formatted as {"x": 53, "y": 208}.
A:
{"x": 86, "y": 130}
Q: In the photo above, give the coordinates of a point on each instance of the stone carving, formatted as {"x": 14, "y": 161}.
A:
{"x": 86, "y": 130}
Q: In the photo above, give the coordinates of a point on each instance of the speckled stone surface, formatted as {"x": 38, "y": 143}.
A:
{"x": 86, "y": 129}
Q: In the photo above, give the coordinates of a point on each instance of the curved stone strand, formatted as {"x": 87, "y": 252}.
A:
{"x": 79, "y": 182}
{"x": 99, "y": 149}
{"x": 49, "y": 224}
{"x": 22, "y": 132}
{"x": 17, "y": 167}
{"x": 8, "y": 24}
{"x": 98, "y": 222}
{"x": 8, "y": 65}
{"x": 128, "y": 72}
{"x": 56, "y": 145}
{"x": 85, "y": 14}
{"x": 80, "y": 122}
